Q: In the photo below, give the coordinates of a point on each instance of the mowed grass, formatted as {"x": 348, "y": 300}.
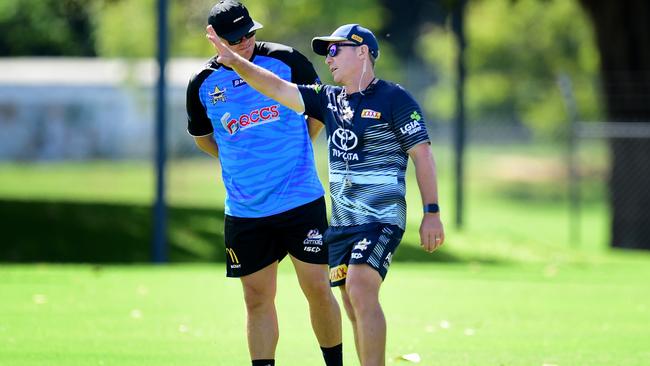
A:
{"x": 516, "y": 206}
{"x": 510, "y": 288}
{"x": 449, "y": 314}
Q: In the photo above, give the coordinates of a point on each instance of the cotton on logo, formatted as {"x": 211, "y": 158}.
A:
{"x": 255, "y": 118}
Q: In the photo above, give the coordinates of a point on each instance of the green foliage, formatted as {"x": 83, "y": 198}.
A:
{"x": 47, "y": 27}
{"x": 516, "y": 50}
{"x": 127, "y": 27}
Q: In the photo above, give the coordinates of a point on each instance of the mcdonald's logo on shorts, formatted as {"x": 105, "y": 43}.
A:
{"x": 234, "y": 261}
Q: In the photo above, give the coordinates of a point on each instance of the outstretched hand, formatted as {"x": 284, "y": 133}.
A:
{"x": 224, "y": 55}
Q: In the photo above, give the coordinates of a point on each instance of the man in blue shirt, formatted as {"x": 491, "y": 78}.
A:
{"x": 373, "y": 126}
{"x": 274, "y": 199}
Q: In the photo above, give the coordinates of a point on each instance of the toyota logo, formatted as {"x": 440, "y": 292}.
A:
{"x": 344, "y": 139}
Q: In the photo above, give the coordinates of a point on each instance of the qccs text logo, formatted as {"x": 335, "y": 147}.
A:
{"x": 254, "y": 118}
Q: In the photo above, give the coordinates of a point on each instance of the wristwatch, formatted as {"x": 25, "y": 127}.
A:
{"x": 431, "y": 208}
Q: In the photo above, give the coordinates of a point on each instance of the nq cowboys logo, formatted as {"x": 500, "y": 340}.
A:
{"x": 218, "y": 95}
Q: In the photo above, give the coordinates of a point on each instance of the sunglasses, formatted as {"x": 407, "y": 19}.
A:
{"x": 333, "y": 49}
{"x": 247, "y": 36}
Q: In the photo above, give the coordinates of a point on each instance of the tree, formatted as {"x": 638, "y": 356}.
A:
{"x": 47, "y": 27}
{"x": 623, "y": 37}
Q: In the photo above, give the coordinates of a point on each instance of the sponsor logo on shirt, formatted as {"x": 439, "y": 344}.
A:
{"x": 356, "y": 255}
{"x": 238, "y": 82}
{"x": 218, "y": 95}
{"x": 410, "y": 128}
{"x": 254, "y": 118}
{"x": 369, "y": 113}
{"x": 339, "y": 272}
{"x": 344, "y": 140}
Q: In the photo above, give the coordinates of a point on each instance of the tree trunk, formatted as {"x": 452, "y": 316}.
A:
{"x": 622, "y": 30}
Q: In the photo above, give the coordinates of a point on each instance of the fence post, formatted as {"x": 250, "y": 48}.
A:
{"x": 159, "y": 249}
{"x": 457, "y": 23}
{"x": 566, "y": 88}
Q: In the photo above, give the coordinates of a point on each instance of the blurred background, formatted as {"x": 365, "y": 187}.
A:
{"x": 537, "y": 111}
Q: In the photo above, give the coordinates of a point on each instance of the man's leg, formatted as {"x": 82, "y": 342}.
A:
{"x": 323, "y": 309}
{"x": 261, "y": 317}
{"x": 362, "y": 287}
{"x": 350, "y": 312}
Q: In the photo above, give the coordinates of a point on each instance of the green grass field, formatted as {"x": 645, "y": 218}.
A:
{"x": 510, "y": 288}
{"x": 516, "y": 209}
{"x": 449, "y": 314}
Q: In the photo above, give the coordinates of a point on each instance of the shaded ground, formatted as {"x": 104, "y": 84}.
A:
{"x": 81, "y": 232}
{"x": 43, "y": 231}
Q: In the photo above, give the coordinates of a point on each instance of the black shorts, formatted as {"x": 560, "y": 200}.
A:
{"x": 254, "y": 243}
{"x": 372, "y": 244}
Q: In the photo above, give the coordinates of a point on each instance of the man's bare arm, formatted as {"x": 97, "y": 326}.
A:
{"x": 208, "y": 145}
{"x": 432, "y": 234}
{"x": 257, "y": 77}
{"x": 315, "y": 127}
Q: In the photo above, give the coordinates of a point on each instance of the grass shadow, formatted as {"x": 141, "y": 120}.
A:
{"x": 79, "y": 232}
{"x": 86, "y": 232}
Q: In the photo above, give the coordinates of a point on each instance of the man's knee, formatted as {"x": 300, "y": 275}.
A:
{"x": 257, "y": 297}
{"x": 316, "y": 286}
{"x": 362, "y": 292}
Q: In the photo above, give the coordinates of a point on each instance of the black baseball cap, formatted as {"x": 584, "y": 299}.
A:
{"x": 231, "y": 21}
{"x": 349, "y": 32}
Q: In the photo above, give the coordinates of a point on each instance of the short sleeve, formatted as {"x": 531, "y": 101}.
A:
{"x": 198, "y": 122}
{"x": 313, "y": 96}
{"x": 302, "y": 70}
{"x": 408, "y": 122}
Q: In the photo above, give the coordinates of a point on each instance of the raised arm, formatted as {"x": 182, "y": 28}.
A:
{"x": 257, "y": 77}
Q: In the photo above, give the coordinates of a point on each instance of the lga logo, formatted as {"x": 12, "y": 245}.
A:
{"x": 314, "y": 237}
{"x": 238, "y": 82}
{"x": 410, "y": 128}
